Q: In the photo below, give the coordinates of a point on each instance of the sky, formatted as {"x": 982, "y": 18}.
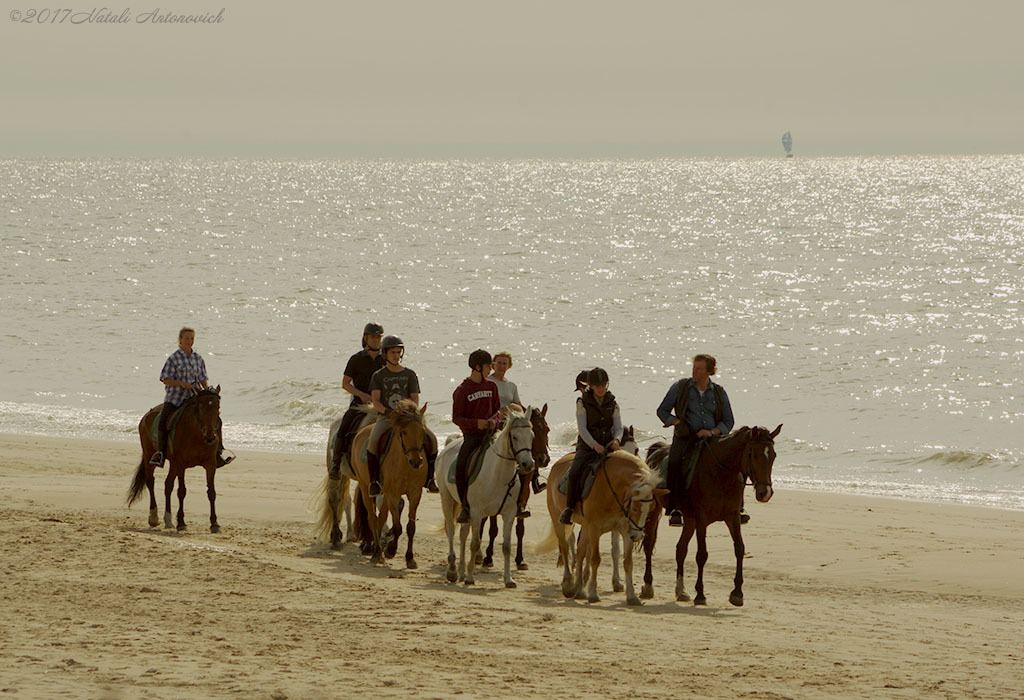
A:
{"x": 558, "y": 78}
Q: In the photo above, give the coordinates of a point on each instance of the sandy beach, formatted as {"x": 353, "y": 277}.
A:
{"x": 846, "y": 596}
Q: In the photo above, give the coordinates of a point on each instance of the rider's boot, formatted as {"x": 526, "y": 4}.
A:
{"x": 431, "y": 485}
{"x": 566, "y": 517}
{"x": 373, "y": 466}
{"x": 537, "y": 485}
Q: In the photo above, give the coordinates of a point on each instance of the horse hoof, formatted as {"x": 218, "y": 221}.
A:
{"x": 411, "y": 564}
{"x": 451, "y": 576}
{"x": 522, "y": 566}
{"x": 580, "y": 595}
{"x": 487, "y": 563}
{"x": 469, "y": 581}
{"x": 510, "y": 584}
{"x": 479, "y": 559}
{"x": 181, "y": 526}
{"x": 700, "y": 600}
{"x": 154, "y": 519}
{"x": 618, "y": 587}
{"x": 336, "y": 545}
{"x": 736, "y": 600}
{"x": 594, "y": 598}
{"x": 567, "y": 590}
{"x": 683, "y": 597}
{"x": 215, "y": 529}
{"x": 647, "y": 591}
{"x": 634, "y": 601}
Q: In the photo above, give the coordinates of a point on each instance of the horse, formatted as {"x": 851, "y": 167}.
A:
{"x": 402, "y": 473}
{"x": 494, "y": 492}
{"x": 334, "y": 492}
{"x": 194, "y": 441}
{"x": 541, "y": 458}
{"x": 716, "y": 493}
{"x": 619, "y": 500}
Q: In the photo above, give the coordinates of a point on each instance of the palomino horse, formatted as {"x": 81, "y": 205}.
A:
{"x": 334, "y": 492}
{"x": 623, "y": 491}
{"x": 402, "y": 473}
{"x": 716, "y": 493}
{"x": 194, "y": 442}
{"x": 541, "y": 457}
{"x": 494, "y": 492}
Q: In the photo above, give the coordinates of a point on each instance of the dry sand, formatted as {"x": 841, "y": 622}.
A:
{"x": 847, "y": 597}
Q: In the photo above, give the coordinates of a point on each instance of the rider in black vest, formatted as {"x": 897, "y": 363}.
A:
{"x": 597, "y": 417}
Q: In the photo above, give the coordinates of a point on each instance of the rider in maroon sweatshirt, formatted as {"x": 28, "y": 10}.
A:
{"x": 476, "y": 410}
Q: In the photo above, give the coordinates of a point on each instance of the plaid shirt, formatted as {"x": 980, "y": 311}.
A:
{"x": 184, "y": 368}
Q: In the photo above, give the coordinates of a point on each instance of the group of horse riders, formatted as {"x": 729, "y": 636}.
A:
{"x": 695, "y": 407}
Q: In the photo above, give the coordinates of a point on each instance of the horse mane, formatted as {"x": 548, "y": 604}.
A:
{"x": 515, "y": 416}
{"x": 648, "y": 479}
{"x": 405, "y": 413}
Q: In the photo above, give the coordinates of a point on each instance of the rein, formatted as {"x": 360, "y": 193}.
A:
{"x": 515, "y": 474}
{"x": 629, "y": 501}
{"x": 747, "y": 479}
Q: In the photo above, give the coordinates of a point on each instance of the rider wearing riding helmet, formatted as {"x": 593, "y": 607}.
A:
{"x": 600, "y": 427}
{"x": 356, "y": 381}
{"x": 476, "y": 409}
{"x": 389, "y": 385}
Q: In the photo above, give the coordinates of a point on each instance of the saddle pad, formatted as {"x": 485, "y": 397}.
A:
{"x": 588, "y": 480}
{"x": 172, "y": 422}
{"x": 476, "y": 461}
{"x": 382, "y": 449}
{"x": 689, "y": 470}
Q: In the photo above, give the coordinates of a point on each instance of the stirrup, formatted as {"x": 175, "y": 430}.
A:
{"x": 223, "y": 461}
{"x": 463, "y": 515}
{"x": 157, "y": 460}
{"x": 744, "y": 518}
{"x": 538, "y": 485}
{"x": 566, "y": 517}
{"x": 431, "y": 486}
{"x": 675, "y": 518}
{"x": 374, "y": 489}
{"x": 521, "y": 512}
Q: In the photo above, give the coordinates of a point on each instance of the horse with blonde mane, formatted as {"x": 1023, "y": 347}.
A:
{"x": 335, "y": 493}
{"x": 402, "y": 474}
{"x": 493, "y": 492}
{"x": 622, "y": 495}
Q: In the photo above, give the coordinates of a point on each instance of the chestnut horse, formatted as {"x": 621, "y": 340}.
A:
{"x": 402, "y": 473}
{"x": 716, "y": 494}
{"x": 194, "y": 441}
{"x": 624, "y": 490}
{"x": 541, "y": 457}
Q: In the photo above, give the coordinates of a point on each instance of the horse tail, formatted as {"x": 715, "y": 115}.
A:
{"x": 361, "y": 522}
{"x": 325, "y": 506}
{"x": 550, "y": 541}
{"x": 138, "y": 482}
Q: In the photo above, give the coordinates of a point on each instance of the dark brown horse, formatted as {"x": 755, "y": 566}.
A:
{"x": 541, "y": 457}
{"x": 716, "y": 494}
{"x": 193, "y": 442}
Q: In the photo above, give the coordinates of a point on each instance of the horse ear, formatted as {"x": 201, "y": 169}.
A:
{"x": 423, "y": 410}
{"x": 217, "y": 390}
{"x": 544, "y": 411}
{"x": 661, "y": 496}
{"x": 776, "y": 431}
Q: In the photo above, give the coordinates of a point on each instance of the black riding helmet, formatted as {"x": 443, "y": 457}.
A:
{"x": 479, "y": 357}
{"x": 597, "y": 377}
{"x": 373, "y": 329}
{"x": 391, "y": 341}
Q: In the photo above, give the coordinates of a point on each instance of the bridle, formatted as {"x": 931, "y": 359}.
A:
{"x": 745, "y": 460}
{"x": 407, "y": 450}
{"x": 199, "y": 416}
{"x": 513, "y": 458}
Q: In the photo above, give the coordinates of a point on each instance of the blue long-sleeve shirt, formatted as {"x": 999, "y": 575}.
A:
{"x": 700, "y": 409}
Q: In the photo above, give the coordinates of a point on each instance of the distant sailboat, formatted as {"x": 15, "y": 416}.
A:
{"x": 787, "y": 143}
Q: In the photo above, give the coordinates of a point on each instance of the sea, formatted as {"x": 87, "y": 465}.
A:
{"x": 871, "y": 306}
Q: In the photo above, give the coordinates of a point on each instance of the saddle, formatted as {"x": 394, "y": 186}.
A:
{"x": 588, "y": 479}
{"x": 476, "y": 461}
{"x": 382, "y": 446}
{"x": 689, "y": 469}
{"x": 172, "y": 422}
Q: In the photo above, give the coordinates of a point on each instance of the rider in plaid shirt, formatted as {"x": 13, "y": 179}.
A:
{"x": 184, "y": 374}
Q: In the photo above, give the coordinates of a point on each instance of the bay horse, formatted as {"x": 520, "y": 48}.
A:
{"x": 716, "y": 494}
{"x": 620, "y": 499}
{"x": 335, "y": 493}
{"x": 493, "y": 492}
{"x": 541, "y": 458}
{"x": 193, "y": 441}
{"x": 402, "y": 473}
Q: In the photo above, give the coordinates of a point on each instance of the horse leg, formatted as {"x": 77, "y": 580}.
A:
{"x": 568, "y": 589}
{"x": 521, "y": 565}
{"x": 702, "y": 558}
{"x": 410, "y": 529}
{"x": 581, "y": 555}
{"x": 595, "y": 561}
{"x": 154, "y": 518}
{"x": 488, "y": 560}
{"x": 650, "y": 538}
{"x": 211, "y": 493}
{"x": 347, "y": 505}
{"x": 168, "y": 490}
{"x": 181, "y": 499}
{"x": 506, "y": 547}
{"x": 616, "y": 556}
{"x": 334, "y": 506}
{"x": 372, "y": 544}
{"x": 736, "y": 597}
{"x": 681, "y": 548}
{"x": 627, "y": 565}
{"x": 396, "y": 527}
{"x": 449, "y": 530}
{"x": 466, "y": 565}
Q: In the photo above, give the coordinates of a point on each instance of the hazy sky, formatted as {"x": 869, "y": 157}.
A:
{"x": 523, "y": 78}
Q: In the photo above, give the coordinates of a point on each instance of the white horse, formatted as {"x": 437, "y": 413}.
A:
{"x": 335, "y": 494}
{"x": 494, "y": 492}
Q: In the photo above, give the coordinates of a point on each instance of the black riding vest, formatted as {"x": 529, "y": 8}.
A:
{"x": 600, "y": 417}
{"x": 682, "y": 429}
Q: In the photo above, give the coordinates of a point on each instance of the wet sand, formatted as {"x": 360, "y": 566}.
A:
{"x": 846, "y": 596}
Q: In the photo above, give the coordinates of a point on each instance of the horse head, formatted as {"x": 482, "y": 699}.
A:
{"x": 539, "y": 449}
{"x": 207, "y": 403}
{"x": 409, "y": 426}
{"x": 642, "y": 496}
{"x": 758, "y": 458}
{"x": 628, "y": 442}
{"x": 519, "y": 434}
